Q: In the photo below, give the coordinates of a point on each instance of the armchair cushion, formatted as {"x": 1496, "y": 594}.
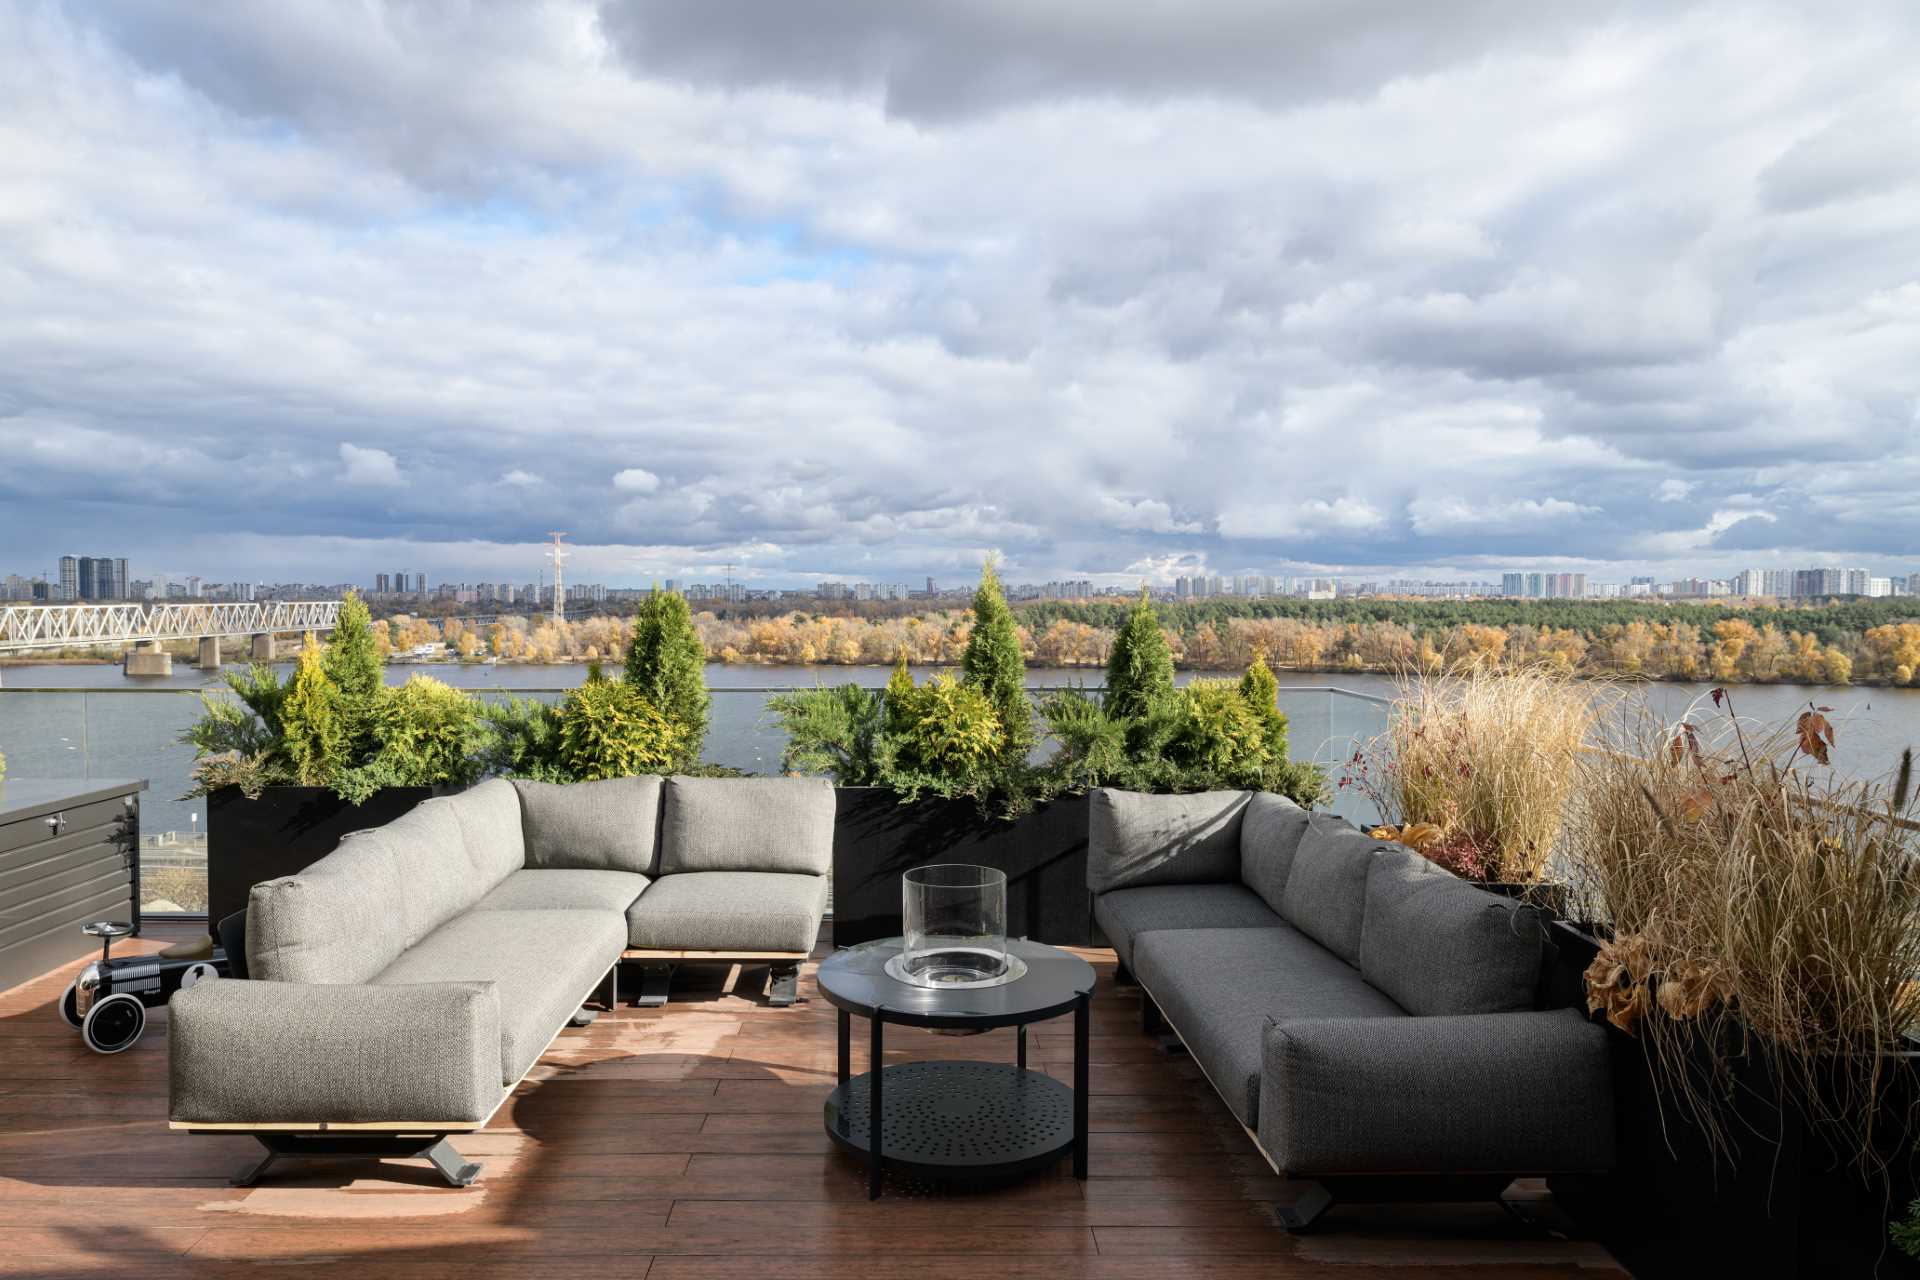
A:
{"x": 1485, "y": 1093}
{"x": 244, "y": 1052}
{"x": 1134, "y": 838}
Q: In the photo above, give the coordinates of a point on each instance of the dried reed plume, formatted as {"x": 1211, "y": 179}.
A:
{"x": 1487, "y": 755}
{"x": 1757, "y": 905}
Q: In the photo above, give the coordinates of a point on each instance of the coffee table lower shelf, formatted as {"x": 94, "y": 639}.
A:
{"x": 958, "y": 1120}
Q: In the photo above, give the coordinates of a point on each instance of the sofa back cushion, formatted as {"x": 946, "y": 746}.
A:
{"x": 337, "y": 921}
{"x": 747, "y": 824}
{"x": 1326, "y": 892}
{"x": 1439, "y": 946}
{"x": 438, "y": 880}
{"x": 489, "y": 818}
{"x": 612, "y": 824}
{"x": 1269, "y": 834}
{"x": 1134, "y": 838}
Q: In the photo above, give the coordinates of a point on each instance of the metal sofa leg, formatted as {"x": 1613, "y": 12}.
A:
{"x": 456, "y": 1169}
{"x": 1306, "y": 1209}
{"x": 248, "y": 1174}
{"x": 1150, "y": 1020}
{"x": 783, "y": 985}
{"x": 656, "y": 978}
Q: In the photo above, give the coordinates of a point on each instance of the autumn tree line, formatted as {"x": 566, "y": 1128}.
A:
{"x": 1858, "y": 642}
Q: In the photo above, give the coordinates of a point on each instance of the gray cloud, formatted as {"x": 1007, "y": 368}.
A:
{"x": 869, "y": 289}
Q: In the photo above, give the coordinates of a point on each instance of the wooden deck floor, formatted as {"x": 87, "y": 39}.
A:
{"x": 687, "y": 1143}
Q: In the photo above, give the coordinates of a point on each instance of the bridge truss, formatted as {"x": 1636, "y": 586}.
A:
{"x": 85, "y": 625}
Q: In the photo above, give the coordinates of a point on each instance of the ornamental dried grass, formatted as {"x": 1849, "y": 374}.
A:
{"x": 1487, "y": 755}
{"x": 1759, "y": 905}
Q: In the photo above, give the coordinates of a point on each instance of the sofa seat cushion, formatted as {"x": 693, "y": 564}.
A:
{"x": 1135, "y": 838}
{"x": 544, "y": 889}
{"x": 1125, "y": 914}
{"x": 543, "y": 964}
{"x": 729, "y": 911}
{"x": 1220, "y": 988}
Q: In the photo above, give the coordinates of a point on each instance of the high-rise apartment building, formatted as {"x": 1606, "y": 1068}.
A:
{"x": 1829, "y": 582}
{"x": 383, "y": 583}
{"x": 69, "y": 578}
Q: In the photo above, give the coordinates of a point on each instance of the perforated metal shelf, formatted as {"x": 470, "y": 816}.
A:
{"x": 959, "y": 1119}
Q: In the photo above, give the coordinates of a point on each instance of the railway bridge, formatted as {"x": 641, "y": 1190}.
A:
{"x": 141, "y": 628}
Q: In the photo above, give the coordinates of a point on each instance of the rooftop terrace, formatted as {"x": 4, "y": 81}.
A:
{"x": 686, "y": 1142}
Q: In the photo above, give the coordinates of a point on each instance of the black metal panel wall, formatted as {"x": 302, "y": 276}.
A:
{"x": 1044, "y": 854}
{"x": 68, "y": 855}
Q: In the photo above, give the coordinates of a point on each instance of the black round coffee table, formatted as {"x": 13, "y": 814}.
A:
{"x": 963, "y": 1120}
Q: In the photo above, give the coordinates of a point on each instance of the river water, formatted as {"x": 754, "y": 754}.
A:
{"x": 92, "y": 721}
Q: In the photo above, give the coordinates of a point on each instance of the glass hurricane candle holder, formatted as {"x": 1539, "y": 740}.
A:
{"x": 954, "y": 920}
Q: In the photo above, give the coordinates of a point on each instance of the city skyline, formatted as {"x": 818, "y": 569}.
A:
{"x": 1388, "y": 291}
{"x": 85, "y": 579}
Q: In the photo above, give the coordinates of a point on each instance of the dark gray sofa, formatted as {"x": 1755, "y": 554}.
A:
{"x": 1369, "y": 1018}
{"x": 400, "y": 987}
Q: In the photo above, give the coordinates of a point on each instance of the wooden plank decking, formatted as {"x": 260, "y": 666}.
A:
{"x": 684, "y": 1143}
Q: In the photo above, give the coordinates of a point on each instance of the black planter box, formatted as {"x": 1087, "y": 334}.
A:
{"x": 284, "y": 831}
{"x": 1789, "y": 1206}
{"x": 1044, "y": 854}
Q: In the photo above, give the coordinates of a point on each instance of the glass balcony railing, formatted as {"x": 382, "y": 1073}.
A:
{"x": 135, "y": 733}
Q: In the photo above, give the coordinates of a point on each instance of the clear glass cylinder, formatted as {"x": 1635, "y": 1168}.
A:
{"x": 954, "y": 924}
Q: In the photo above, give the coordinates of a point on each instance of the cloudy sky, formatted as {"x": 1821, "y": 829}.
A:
{"x": 310, "y": 290}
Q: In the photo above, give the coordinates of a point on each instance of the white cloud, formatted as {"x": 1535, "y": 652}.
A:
{"x": 372, "y": 468}
{"x": 1146, "y": 514}
{"x": 1281, "y": 518}
{"x": 520, "y": 478}
{"x": 1451, "y": 512}
{"x": 636, "y": 480}
{"x": 1672, "y": 490}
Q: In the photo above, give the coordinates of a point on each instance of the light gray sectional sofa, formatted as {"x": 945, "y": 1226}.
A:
{"x": 398, "y": 988}
{"x": 1368, "y": 1017}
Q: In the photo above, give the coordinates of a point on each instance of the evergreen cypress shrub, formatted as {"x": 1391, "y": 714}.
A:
{"x": 667, "y": 664}
{"x": 1139, "y": 666}
{"x": 994, "y": 665}
{"x": 313, "y": 739}
{"x": 1262, "y": 693}
{"x": 612, "y": 730}
{"x": 353, "y": 665}
{"x": 950, "y": 744}
{"x": 898, "y": 696}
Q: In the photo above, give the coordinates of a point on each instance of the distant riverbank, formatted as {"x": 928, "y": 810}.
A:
{"x": 744, "y": 662}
